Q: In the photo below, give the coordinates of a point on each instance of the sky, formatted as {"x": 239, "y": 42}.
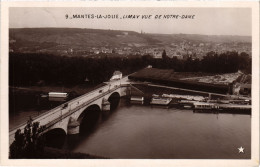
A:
{"x": 208, "y": 21}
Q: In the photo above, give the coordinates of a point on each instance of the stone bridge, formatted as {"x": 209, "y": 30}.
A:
{"x": 79, "y": 109}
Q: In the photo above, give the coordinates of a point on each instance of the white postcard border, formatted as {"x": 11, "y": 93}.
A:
{"x": 127, "y": 162}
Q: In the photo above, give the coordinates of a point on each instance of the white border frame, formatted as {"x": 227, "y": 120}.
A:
{"x": 4, "y": 132}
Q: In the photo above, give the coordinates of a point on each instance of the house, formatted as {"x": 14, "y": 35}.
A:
{"x": 157, "y": 55}
{"x": 245, "y": 89}
{"x": 96, "y": 51}
{"x": 242, "y": 89}
{"x": 125, "y": 33}
{"x": 57, "y": 96}
{"x": 116, "y": 75}
{"x": 236, "y": 88}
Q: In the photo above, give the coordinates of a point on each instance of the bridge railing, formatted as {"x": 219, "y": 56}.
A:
{"x": 65, "y": 108}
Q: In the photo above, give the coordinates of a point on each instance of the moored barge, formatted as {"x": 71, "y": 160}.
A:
{"x": 160, "y": 101}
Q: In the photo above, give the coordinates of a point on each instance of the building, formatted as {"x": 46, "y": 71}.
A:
{"x": 116, "y": 75}
{"x": 157, "y": 55}
{"x": 57, "y": 96}
{"x": 245, "y": 89}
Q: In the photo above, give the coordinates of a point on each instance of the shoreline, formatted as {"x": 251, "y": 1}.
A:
{"x": 55, "y": 153}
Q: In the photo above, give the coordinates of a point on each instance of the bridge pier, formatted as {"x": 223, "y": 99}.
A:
{"x": 73, "y": 126}
{"x": 105, "y": 105}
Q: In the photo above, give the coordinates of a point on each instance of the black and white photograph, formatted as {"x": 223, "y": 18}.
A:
{"x": 131, "y": 83}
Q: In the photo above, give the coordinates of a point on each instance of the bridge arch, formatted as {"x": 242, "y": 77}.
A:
{"x": 114, "y": 100}
{"x": 55, "y": 137}
{"x": 89, "y": 118}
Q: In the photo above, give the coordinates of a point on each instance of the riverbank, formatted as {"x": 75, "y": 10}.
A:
{"x": 78, "y": 89}
{"x": 54, "y": 153}
{"x": 23, "y": 98}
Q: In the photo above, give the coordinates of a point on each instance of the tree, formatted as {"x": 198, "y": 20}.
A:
{"x": 164, "y": 56}
{"x": 30, "y": 143}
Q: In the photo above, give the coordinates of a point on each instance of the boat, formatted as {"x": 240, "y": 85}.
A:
{"x": 187, "y": 104}
{"x": 224, "y": 108}
{"x": 137, "y": 100}
{"x": 202, "y": 106}
{"x": 160, "y": 101}
{"x": 186, "y": 97}
{"x": 235, "y": 107}
{"x": 206, "y": 106}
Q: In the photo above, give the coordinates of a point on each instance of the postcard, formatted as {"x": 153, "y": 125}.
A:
{"x": 130, "y": 83}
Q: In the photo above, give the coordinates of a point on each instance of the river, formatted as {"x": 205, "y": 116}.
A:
{"x": 149, "y": 132}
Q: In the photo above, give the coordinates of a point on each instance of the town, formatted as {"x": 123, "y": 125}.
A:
{"x": 129, "y": 44}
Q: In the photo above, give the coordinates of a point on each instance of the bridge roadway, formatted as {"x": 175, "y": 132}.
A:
{"x": 59, "y": 116}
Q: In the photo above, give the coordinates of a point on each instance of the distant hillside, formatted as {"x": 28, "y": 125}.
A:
{"x": 42, "y": 38}
{"x": 201, "y": 38}
{"x": 73, "y": 36}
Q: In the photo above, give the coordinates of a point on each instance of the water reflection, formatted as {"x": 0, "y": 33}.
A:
{"x": 55, "y": 138}
{"x": 138, "y": 131}
{"x": 144, "y": 131}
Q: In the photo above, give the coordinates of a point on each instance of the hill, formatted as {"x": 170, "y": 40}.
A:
{"x": 63, "y": 38}
{"x": 76, "y": 37}
{"x": 201, "y": 38}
